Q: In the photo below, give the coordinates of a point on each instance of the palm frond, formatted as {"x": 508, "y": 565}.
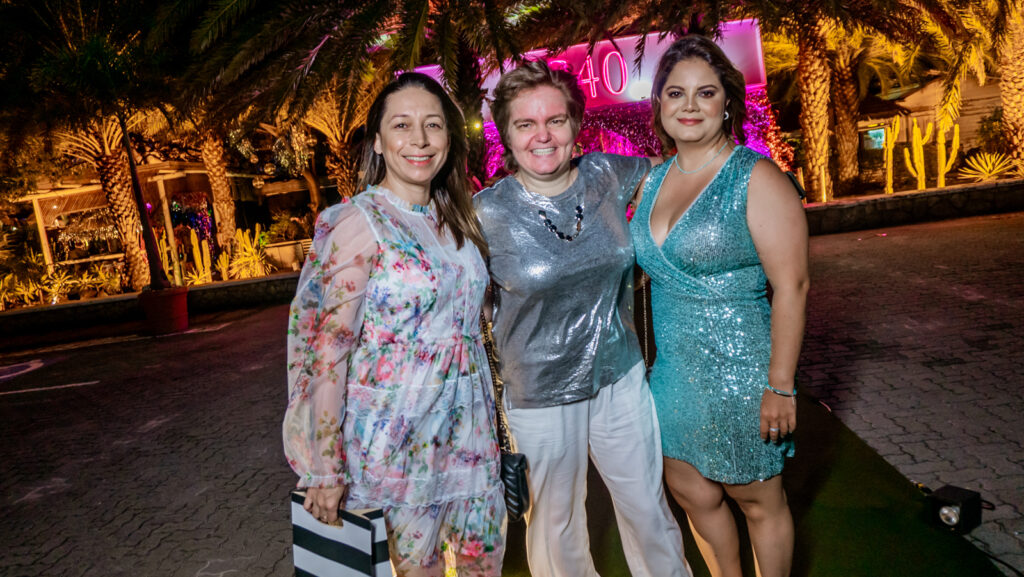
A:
{"x": 218, "y": 20}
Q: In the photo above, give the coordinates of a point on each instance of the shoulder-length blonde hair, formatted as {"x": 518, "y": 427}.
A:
{"x": 450, "y": 189}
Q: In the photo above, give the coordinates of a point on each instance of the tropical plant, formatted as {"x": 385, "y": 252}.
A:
{"x": 6, "y": 250}
{"x": 201, "y": 255}
{"x": 986, "y": 167}
{"x": 988, "y": 37}
{"x": 85, "y": 76}
{"x": 57, "y": 285}
{"x": 249, "y": 259}
{"x": 991, "y": 137}
{"x": 87, "y": 283}
{"x": 1010, "y": 49}
{"x": 860, "y": 58}
{"x": 196, "y": 130}
{"x": 262, "y": 58}
{"x": 99, "y": 143}
{"x": 7, "y": 290}
{"x": 913, "y": 155}
{"x": 224, "y": 265}
{"x": 28, "y": 291}
{"x": 337, "y": 114}
{"x": 108, "y": 279}
{"x": 293, "y": 153}
{"x": 165, "y": 254}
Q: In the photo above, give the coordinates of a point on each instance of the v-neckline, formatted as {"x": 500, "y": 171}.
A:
{"x": 696, "y": 199}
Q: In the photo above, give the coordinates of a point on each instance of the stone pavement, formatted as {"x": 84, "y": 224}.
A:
{"x": 915, "y": 339}
{"x": 162, "y": 456}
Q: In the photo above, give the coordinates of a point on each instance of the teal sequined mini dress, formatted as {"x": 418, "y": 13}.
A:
{"x": 712, "y": 327}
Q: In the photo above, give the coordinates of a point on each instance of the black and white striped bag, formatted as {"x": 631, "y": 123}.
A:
{"x": 357, "y": 548}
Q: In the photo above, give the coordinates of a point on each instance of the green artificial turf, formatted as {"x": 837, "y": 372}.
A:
{"x": 855, "y": 516}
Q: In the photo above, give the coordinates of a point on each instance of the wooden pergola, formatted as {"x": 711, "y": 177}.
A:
{"x": 159, "y": 181}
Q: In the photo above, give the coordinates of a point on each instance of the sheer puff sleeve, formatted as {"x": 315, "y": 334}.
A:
{"x": 323, "y": 328}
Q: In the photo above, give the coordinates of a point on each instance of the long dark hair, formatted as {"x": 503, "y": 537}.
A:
{"x": 701, "y": 48}
{"x": 450, "y": 189}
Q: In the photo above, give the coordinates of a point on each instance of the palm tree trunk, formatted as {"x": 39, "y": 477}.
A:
{"x": 814, "y": 81}
{"x": 1011, "y": 83}
{"x": 342, "y": 167}
{"x": 157, "y": 279}
{"x": 316, "y": 202}
{"x": 844, "y": 92}
{"x": 116, "y": 183}
{"x": 470, "y": 97}
{"x": 212, "y": 150}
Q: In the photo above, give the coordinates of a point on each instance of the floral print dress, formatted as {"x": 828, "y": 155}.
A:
{"x": 388, "y": 387}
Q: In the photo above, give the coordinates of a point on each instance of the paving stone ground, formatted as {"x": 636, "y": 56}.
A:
{"x": 162, "y": 456}
{"x": 915, "y": 339}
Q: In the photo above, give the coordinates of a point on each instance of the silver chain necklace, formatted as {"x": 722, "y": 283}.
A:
{"x": 703, "y": 166}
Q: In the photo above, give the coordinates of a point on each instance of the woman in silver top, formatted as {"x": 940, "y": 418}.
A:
{"x": 561, "y": 265}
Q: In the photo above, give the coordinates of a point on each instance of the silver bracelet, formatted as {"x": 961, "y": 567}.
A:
{"x": 780, "y": 393}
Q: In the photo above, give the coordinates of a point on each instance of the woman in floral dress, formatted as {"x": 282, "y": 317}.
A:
{"x": 390, "y": 401}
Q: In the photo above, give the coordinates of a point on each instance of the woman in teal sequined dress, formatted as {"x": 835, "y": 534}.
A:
{"x": 714, "y": 225}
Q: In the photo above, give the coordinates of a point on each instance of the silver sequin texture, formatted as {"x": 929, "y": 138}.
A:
{"x": 712, "y": 327}
{"x": 563, "y": 324}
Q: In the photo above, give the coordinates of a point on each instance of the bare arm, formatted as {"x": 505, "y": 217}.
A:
{"x": 639, "y": 194}
{"x": 778, "y": 227}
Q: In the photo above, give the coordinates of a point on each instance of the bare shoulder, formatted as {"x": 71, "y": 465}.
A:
{"x": 768, "y": 183}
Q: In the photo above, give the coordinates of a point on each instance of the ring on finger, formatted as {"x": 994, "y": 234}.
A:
{"x": 773, "y": 429}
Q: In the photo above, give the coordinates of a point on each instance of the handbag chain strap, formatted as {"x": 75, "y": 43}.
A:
{"x": 504, "y": 438}
{"x": 644, "y": 282}
{"x": 645, "y": 288}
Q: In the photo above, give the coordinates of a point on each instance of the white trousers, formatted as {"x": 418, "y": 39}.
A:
{"x": 619, "y": 430}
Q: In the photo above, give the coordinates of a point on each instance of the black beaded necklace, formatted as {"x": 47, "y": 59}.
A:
{"x": 551, "y": 226}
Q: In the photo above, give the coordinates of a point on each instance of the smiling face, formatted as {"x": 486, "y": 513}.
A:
{"x": 693, "y": 103}
{"x": 540, "y": 133}
{"x": 413, "y": 140}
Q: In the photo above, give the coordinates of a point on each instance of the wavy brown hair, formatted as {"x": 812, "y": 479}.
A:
{"x": 695, "y": 46}
{"x": 450, "y": 188}
{"x": 534, "y": 74}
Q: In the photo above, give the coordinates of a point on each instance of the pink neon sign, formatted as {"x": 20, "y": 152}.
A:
{"x": 607, "y": 75}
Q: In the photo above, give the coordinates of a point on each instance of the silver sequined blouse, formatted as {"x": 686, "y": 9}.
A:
{"x": 563, "y": 321}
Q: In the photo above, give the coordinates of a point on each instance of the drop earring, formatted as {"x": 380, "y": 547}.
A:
{"x": 726, "y": 117}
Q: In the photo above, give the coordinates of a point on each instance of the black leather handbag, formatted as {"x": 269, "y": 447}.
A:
{"x": 513, "y": 465}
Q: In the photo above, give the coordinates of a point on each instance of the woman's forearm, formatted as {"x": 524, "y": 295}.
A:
{"x": 787, "y": 332}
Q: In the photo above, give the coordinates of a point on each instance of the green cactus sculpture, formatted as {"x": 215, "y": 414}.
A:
{"x": 891, "y": 133}
{"x": 917, "y": 142}
{"x": 945, "y": 165}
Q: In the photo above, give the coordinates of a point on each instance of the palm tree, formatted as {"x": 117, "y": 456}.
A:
{"x": 337, "y": 115}
{"x": 80, "y": 68}
{"x": 100, "y": 144}
{"x": 859, "y": 58}
{"x": 1010, "y": 49}
{"x": 262, "y": 59}
{"x": 812, "y": 23}
{"x": 215, "y": 161}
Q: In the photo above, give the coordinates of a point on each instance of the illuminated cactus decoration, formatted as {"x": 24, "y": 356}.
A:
{"x": 940, "y": 146}
{"x": 164, "y": 254}
{"x": 891, "y": 132}
{"x": 201, "y": 254}
{"x": 918, "y": 141}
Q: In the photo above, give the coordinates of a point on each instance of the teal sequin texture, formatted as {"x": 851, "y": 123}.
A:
{"x": 712, "y": 326}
